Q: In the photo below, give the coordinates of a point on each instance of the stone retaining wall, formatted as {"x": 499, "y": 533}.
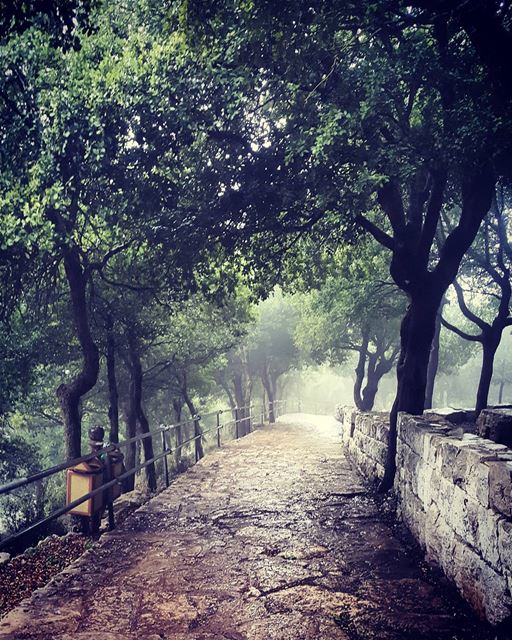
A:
{"x": 365, "y": 435}
{"x": 454, "y": 493}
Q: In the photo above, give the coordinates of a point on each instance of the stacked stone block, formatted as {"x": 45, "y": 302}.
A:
{"x": 365, "y": 436}
{"x": 454, "y": 493}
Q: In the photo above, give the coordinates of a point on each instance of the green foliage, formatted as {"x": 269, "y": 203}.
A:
{"x": 271, "y": 345}
{"x": 16, "y": 356}
{"x": 194, "y": 155}
{"x": 356, "y": 299}
{"x": 454, "y": 352}
{"x": 17, "y": 458}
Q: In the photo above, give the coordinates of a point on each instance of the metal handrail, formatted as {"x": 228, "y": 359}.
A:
{"x": 118, "y": 480}
{"x": 45, "y": 473}
{"x": 162, "y": 429}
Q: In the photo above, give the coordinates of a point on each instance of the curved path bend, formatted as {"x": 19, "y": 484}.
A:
{"x": 274, "y": 537}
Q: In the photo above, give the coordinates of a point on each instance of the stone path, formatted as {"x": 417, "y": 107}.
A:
{"x": 272, "y": 538}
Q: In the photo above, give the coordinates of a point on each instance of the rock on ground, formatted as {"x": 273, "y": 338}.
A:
{"x": 274, "y": 537}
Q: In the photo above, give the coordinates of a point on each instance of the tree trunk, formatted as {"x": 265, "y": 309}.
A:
{"x": 197, "y": 427}
{"x": 369, "y": 393}
{"x": 265, "y": 379}
{"x": 372, "y": 384}
{"x": 376, "y": 370}
{"x": 360, "y": 371}
{"x": 138, "y": 411}
{"x": 177, "y": 406}
{"x": 70, "y": 394}
{"x": 241, "y": 403}
{"x": 500, "y": 392}
{"x": 131, "y": 432}
{"x": 147, "y": 444}
{"x": 113, "y": 409}
{"x": 433, "y": 363}
{"x": 271, "y": 409}
{"x": 231, "y": 399}
{"x": 490, "y": 344}
{"x": 410, "y": 270}
{"x": 416, "y": 335}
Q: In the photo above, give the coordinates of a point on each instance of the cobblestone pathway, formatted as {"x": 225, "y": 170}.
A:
{"x": 272, "y": 537}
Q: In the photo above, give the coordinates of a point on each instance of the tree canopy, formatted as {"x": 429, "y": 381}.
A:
{"x": 198, "y": 197}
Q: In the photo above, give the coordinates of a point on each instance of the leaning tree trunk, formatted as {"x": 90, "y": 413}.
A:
{"x": 490, "y": 344}
{"x": 136, "y": 388}
{"x": 113, "y": 393}
{"x": 70, "y": 394}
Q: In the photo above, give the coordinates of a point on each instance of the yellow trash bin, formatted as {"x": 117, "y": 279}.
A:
{"x": 81, "y": 480}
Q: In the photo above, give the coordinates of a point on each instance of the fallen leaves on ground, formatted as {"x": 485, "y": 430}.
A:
{"x": 33, "y": 569}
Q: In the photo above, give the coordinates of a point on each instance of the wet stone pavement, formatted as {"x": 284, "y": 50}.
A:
{"x": 272, "y": 537}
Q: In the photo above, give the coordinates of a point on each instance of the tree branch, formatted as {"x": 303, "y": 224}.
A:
{"x": 390, "y": 199}
{"x": 481, "y": 324}
{"x": 381, "y": 236}
{"x": 432, "y": 215}
{"x": 459, "y": 332}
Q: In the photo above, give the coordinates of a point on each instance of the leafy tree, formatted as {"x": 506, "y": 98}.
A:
{"x": 271, "y": 346}
{"x": 487, "y": 271}
{"x": 356, "y": 311}
{"x": 105, "y": 140}
{"x": 363, "y": 128}
{"x": 502, "y": 377}
{"x": 236, "y": 375}
{"x": 21, "y": 508}
{"x": 143, "y": 144}
{"x": 188, "y": 353}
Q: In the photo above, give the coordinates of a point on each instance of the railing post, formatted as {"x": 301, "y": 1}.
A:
{"x": 196, "y": 437}
{"x": 178, "y": 439}
{"x": 166, "y": 465}
{"x": 218, "y": 428}
{"x": 249, "y": 418}
{"x": 236, "y": 422}
{"x": 96, "y": 436}
{"x": 108, "y": 476}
